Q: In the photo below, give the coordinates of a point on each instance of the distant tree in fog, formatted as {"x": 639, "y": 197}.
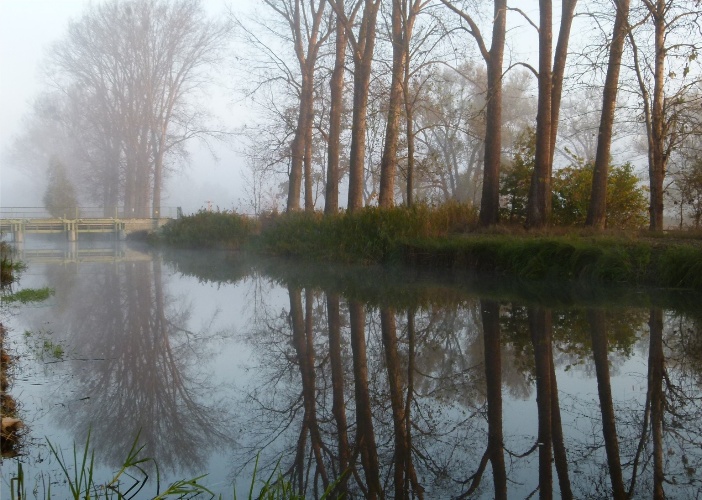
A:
{"x": 128, "y": 75}
{"x": 60, "y": 196}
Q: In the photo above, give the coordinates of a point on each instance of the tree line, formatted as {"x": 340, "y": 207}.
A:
{"x": 394, "y": 101}
{"x": 434, "y": 110}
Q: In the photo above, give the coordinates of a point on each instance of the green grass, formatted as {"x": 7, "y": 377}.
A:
{"x": 29, "y": 295}
{"x": 445, "y": 237}
{"x": 205, "y": 229}
{"x": 77, "y": 470}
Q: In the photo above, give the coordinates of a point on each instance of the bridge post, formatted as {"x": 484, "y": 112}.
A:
{"x": 18, "y": 232}
{"x": 120, "y": 231}
{"x": 71, "y": 232}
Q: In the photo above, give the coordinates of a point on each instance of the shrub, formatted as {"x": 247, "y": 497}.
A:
{"x": 205, "y": 229}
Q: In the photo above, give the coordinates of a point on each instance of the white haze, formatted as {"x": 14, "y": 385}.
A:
{"x": 27, "y": 30}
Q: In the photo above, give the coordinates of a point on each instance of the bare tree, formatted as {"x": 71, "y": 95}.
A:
{"x": 490, "y": 201}
{"x": 140, "y": 66}
{"x": 675, "y": 29}
{"x": 550, "y": 76}
{"x": 598, "y": 209}
{"x": 362, "y": 47}
{"x": 308, "y": 33}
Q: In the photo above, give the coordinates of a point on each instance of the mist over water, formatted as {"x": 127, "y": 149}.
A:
{"x": 215, "y": 358}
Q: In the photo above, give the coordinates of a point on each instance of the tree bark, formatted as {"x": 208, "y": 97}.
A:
{"x": 490, "y": 201}
{"x": 549, "y": 101}
{"x": 331, "y": 199}
{"x": 657, "y": 151}
{"x": 597, "y": 211}
{"x": 538, "y": 208}
{"x": 306, "y": 50}
{"x": 363, "y": 48}
{"x": 388, "y": 162}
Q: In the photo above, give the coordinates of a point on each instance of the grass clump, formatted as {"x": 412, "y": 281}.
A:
{"x": 29, "y": 295}
{"x": 78, "y": 470}
{"x": 206, "y": 229}
{"x": 9, "y": 269}
{"x": 132, "y": 480}
{"x": 681, "y": 267}
{"x": 371, "y": 234}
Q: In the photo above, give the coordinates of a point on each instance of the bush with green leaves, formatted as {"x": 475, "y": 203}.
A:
{"x": 209, "y": 229}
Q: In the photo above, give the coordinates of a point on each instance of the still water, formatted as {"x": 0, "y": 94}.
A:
{"x": 438, "y": 386}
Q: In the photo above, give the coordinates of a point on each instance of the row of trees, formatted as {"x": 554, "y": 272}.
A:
{"x": 396, "y": 100}
{"x": 413, "y": 66}
{"x": 125, "y": 97}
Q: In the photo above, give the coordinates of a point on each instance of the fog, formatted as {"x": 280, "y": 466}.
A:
{"x": 28, "y": 28}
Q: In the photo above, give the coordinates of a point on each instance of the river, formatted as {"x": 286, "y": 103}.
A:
{"x": 409, "y": 381}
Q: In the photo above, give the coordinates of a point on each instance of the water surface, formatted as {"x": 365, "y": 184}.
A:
{"x": 392, "y": 380}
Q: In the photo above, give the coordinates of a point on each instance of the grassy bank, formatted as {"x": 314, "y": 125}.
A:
{"x": 446, "y": 238}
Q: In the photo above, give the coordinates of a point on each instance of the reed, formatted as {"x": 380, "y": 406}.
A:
{"x": 208, "y": 229}
{"x": 131, "y": 479}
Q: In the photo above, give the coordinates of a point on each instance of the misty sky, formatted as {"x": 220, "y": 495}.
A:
{"x": 27, "y": 29}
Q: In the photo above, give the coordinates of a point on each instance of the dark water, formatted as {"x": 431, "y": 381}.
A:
{"x": 447, "y": 385}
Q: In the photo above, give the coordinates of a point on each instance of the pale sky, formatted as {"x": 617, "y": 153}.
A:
{"x": 27, "y": 29}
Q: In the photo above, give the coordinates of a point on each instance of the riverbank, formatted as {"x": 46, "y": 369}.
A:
{"x": 447, "y": 237}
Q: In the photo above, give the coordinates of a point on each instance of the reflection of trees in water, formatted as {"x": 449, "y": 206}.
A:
{"x": 380, "y": 405}
{"x": 647, "y": 442}
{"x": 412, "y": 401}
{"x": 139, "y": 369}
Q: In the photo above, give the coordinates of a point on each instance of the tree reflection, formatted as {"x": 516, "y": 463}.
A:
{"x": 598, "y": 331}
{"x": 430, "y": 383}
{"x": 136, "y": 371}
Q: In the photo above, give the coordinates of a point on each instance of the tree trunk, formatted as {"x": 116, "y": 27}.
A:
{"x": 656, "y": 369}
{"x": 331, "y": 199}
{"x": 363, "y": 59}
{"x": 540, "y": 327}
{"x": 657, "y": 159}
{"x": 550, "y": 90}
{"x": 309, "y": 199}
{"x": 597, "y": 211}
{"x": 389, "y": 333}
{"x": 338, "y": 400}
{"x": 299, "y": 143}
{"x": 388, "y": 162}
{"x": 365, "y": 436}
{"x": 598, "y": 333}
{"x": 490, "y": 313}
{"x": 490, "y": 201}
{"x": 540, "y": 189}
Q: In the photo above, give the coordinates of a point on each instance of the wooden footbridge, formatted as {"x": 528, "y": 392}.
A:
{"x": 20, "y": 221}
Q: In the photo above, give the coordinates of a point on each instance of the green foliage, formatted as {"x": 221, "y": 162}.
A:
{"x": 689, "y": 183}
{"x": 626, "y": 199}
{"x": 41, "y": 345}
{"x": 627, "y": 203}
{"x": 79, "y": 476}
{"x": 78, "y": 470}
{"x": 681, "y": 267}
{"x": 9, "y": 269}
{"x": 29, "y": 295}
{"x": 206, "y": 229}
{"x": 60, "y": 197}
{"x": 369, "y": 235}
{"x": 515, "y": 178}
